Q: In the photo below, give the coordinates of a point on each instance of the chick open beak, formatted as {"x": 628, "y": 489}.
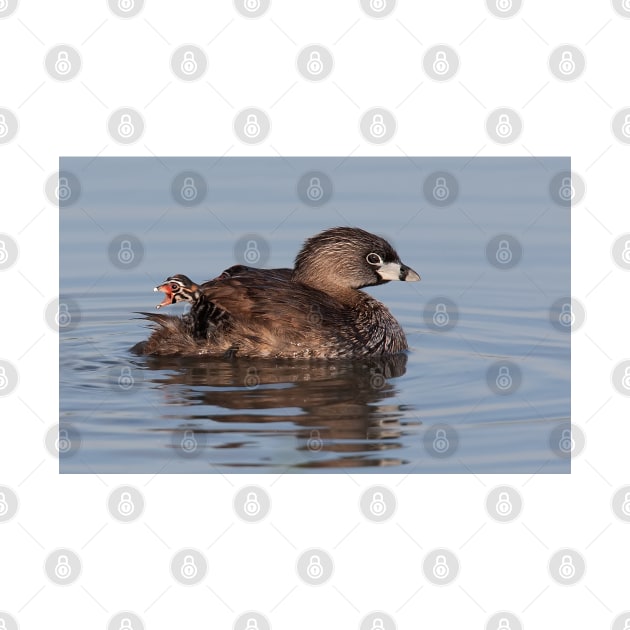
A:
{"x": 168, "y": 297}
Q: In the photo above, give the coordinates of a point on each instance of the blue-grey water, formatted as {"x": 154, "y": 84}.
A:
{"x": 448, "y": 405}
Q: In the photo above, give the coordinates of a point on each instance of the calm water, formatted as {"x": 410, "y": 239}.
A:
{"x": 436, "y": 409}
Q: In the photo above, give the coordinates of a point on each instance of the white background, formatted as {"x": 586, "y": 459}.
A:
{"x": 252, "y": 62}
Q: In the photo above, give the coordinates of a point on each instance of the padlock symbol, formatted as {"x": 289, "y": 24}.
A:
{"x": 125, "y": 380}
{"x": 126, "y": 506}
{"x": 504, "y": 253}
{"x": 189, "y": 569}
{"x": 63, "y": 190}
{"x": 189, "y": 190}
{"x": 625, "y": 506}
{"x": 63, "y": 442}
{"x": 626, "y": 7}
{"x": 63, "y": 317}
{"x": 378, "y": 506}
{"x": 504, "y": 505}
{"x": 4, "y": 506}
{"x": 626, "y": 623}
{"x": 126, "y": 5}
{"x": 125, "y": 253}
{"x": 566, "y": 317}
{"x": 504, "y": 126}
{"x": 440, "y": 63}
{"x": 566, "y": 192}
{"x": 377, "y": 126}
{"x": 504, "y": 624}
{"x": 567, "y": 63}
{"x": 188, "y": 442}
{"x": 252, "y": 5}
{"x": 189, "y": 63}
{"x": 625, "y": 254}
{"x": 315, "y": 442}
{"x": 440, "y": 316}
{"x": 314, "y": 64}
{"x": 63, "y": 570}
{"x": 441, "y": 443}
{"x": 377, "y": 380}
{"x": 625, "y": 128}
{"x": 567, "y": 568}
{"x": 315, "y": 191}
{"x": 126, "y": 128}
{"x": 252, "y": 254}
{"x": 504, "y": 5}
{"x": 378, "y": 624}
{"x": 440, "y": 568}
{"x": 252, "y": 505}
{"x": 4, "y": 128}
{"x": 566, "y": 443}
{"x": 4, "y": 254}
{"x": 315, "y": 569}
{"x": 504, "y": 378}
{"x": 62, "y": 65}
{"x": 440, "y": 190}
{"x": 4, "y": 381}
{"x": 625, "y": 381}
{"x": 125, "y": 624}
{"x": 378, "y": 5}
{"x": 252, "y": 624}
{"x": 252, "y": 126}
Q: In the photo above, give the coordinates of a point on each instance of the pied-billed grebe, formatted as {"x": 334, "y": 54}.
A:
{"x": 315, "y": 310}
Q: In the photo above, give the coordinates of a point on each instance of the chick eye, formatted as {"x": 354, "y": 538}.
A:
{"x": 174, "y": 287}
{"x": 374, "y": 259}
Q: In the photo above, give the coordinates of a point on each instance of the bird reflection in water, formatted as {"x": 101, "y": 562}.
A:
{"x": 341, "y": 414}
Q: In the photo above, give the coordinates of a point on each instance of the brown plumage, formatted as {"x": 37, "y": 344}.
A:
{"x": 315, "y": 310}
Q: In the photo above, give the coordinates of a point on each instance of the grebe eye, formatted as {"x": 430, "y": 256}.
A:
{"x": 174, "y": 287}
{"x": 374, "y": 259}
